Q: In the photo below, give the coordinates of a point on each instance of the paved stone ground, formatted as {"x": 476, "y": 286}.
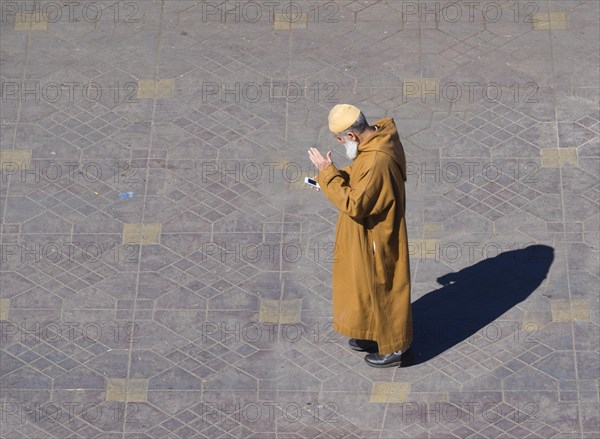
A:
{"x": 200, "y": 307}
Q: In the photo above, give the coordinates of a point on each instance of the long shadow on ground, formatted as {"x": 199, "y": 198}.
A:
{"x": 473, "y": 298}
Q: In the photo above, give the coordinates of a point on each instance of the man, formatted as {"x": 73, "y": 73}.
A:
{"x": 371, "y": 273}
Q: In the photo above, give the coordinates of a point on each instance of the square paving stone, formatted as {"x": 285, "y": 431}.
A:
{"x": 289, "y": 21}
{"x": 550, "y": 20}
{"x": 284, "y": 312}
{"x": 15, "y": 157}
{"x": 394, "y": 393}
{"x": 149, "y": 88}
{"x": 420, "y": 87}
{"x": 269, "y": 311}
{"x": 119, "y": 389}
{"x": 4, "y": 305}
{"x": 570, "y": 310}
{"x": 557, "y": 158}
{"x": 289, "y": 311}
{"x": 141, "y": 233}
{"x": 31, "y": 21}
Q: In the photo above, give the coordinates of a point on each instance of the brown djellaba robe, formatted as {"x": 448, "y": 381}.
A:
{"x": 371, "y": 272}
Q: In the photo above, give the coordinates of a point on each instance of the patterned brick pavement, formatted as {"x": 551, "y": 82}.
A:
{"x": 200, "y": 307}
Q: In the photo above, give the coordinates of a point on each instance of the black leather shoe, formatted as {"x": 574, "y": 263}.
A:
{"x": 388, "y": 360}
{"x": 363, "y": 345}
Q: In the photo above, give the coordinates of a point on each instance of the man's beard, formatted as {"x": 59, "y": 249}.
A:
{"x": 351, "y": 149}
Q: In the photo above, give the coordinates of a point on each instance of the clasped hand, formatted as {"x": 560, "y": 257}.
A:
{"x": 319, "y": 161}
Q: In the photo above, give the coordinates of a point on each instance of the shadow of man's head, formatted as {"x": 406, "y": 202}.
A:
{"x": 474, "y": 297}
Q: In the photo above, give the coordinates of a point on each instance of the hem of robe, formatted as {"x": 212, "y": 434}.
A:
{"x": 384, "y": 349}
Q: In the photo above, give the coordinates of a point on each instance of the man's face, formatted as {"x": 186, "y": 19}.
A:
{"x": 351, "y": 143}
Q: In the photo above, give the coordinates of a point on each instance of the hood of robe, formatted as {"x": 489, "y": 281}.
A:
{"x": 387, "y": 141}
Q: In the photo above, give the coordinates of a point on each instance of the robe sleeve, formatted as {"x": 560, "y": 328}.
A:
{"x": 359, "y": 200}
{"x": 345, "y": 171}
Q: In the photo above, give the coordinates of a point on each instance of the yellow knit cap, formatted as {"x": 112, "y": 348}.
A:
{"x": 342, "y": 116}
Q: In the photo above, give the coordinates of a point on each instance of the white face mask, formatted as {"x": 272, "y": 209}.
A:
{"x": 351, "y": 149}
